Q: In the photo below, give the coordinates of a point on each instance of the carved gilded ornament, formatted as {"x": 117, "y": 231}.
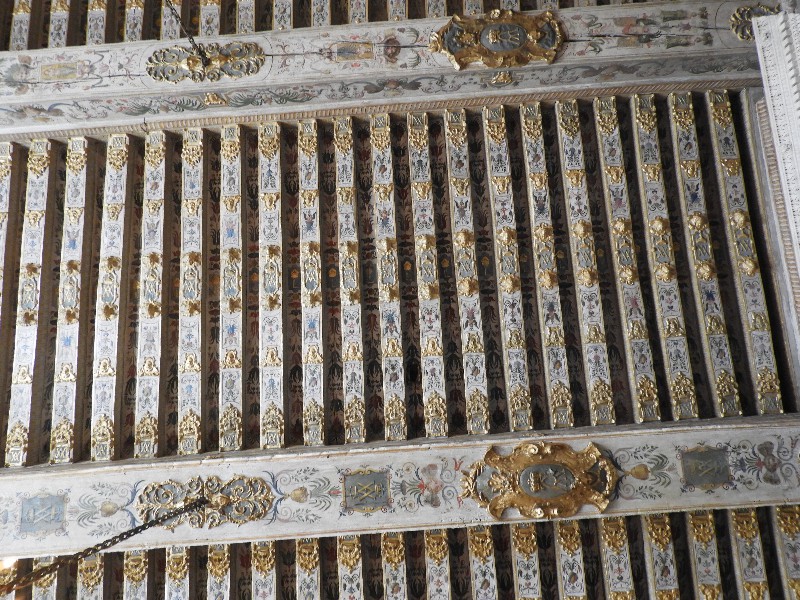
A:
{"x": 380, "y": 138}
{"x": 229, "y": 149}
{"x": 789, "y": 520}
{"x": 684, "y": 118}
{"x": 480, "y": 541}
{"x": 614, "y": 533}
{"x": 393, "y": 549}
{"x": 755, "y": 590}
{"x": 38, "y": 164}
{"x": 523, "y": 537}
{"x": 22, "y": 7}
{"x": 541, "y": 480}
{"x": 742, "y": 19}
{"x": 230, "y": 428}
{"x": 672, "y": 594}
{"x": 263, "y": 557}
{"x": 76, "y": 161}
{"x": 61, "y": 440}
{"x": 135, "y": 566}
{"x": 218, "y": 561}
{"x": 569, "y": 536}
{"x": 146, "y": 432}
{"x": 345, "y": 195}
{"x": 177, "y": 564}
{"x": 90, "y": 572}
{"x": 117, "y": 158}
{"x": 16, "y": 444}
{"x": 5, "y": 167}
{"x": 436, "y": 548}
{"x": 461, "y": 186}
{"x": 478, "y": 411}
{"x": 272, "y": 426}
{"x": 503, "y": 38}
{"x": 435, "y": 411}
{"x": 268, "y": 144}
{"x": 348, "y": 552}
{"x": 395, "y": 416}
{"x": 313, "y": 421}
{"x": 234, "y": 60}
{"x": 710, "y": 591}
{"x": 154, "y": 154}
{"x": 308, "y": 554}
{"x": 652, "y": 172}
{"x": 659, "y": 531}
{"x": 189, "y": 433}
{"x": 103, "y": 432}
{"x": 354, "y": 418}
{"x": 701, "y": 524}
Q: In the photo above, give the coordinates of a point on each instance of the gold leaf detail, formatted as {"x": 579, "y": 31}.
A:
{"x": 614, "y": 533}
{"x": 393, "y": 549}
{"x": 90, "y": 571}
{"x": 524, "y": 539}
{"x": 789, "y": 520}
{"x": 218, "y": 561}
{"x": 436, "y": 548}
{"x": 263, "y": 557}
{"x": 659, "y": 531}
{"x": 176, "y": 63}
{"x": 135, "y": 566}
{"x": 480, "y": 541}
{"x": 702, "y": 526}
{"x": 349, "y": 552}
{"x": 177, "y": 564}
{"x": 569, "y": 536}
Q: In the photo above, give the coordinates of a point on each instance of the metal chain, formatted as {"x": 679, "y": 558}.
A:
{"x": 198, "y": 48}
{"x": 29, "y": 579}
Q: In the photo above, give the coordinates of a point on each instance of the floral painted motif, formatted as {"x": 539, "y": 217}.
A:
{"x": 301, "y": 495}
{"x": 434, "y": 485}
{"x": 646, "y": 473}
{"x": 107, "y": 511}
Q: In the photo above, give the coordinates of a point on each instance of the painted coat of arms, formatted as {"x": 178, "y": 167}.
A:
{"x": 541, "y": 480}
{"x": 503, "y": 38}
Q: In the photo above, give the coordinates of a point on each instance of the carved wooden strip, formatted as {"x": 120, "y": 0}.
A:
{"x": 218, "y": 582}
{"x": 786, "y": 528}
{"x": 210, "y": 17}
{"x": 176, "y": 582}
{"x": 170, "y": 28}
{"x": 44, "y": 588}
{"x": 482, "y": 563}
{"x": 547, "y": 4}
{"x": 245, "y": 16}
{"x": 467, "y": 287}
{"x": 357, "y": 11}
{"x": 232, "y": 255}
{"x": 349, "y": 283}
{"x": 393, "y": 552}
{"x": 427, "y": 261}
{"x": 281, "y": 15}
{"x": 616, "y": 558}
{"x": 510, "y": 5}
{"x": 351, "y": 579}
{"x": 397, "y": 9}
{"x": 33, "y": 288}
{"x": 20, "y": 25}
{"x": 311, "y": 285}
{"x": 661, "y": 260}
{"x": 10, "y": 220}
{"x": 320, "y": 13}
{"x": 702, "y": 539}
{"x": 135, "y": 573}
{"x": 748, "y": 553}
{"x": 524, "y": 548}
{"x": 153, "y": 298}
{"x": 437, "y": 564}
{"x": 270, "y": 283}
{"x": 473, "y": 7}
{"x": 58, "y": 25}
{"x": 703, "y": 269}
{"x": 584, "y": 261}
{"x": 569, "y": 558}
{"x": 660, "y": 551}
{"x": 557, "y": 383}
{"x": 192, "y": 300}
{"x": 743, "y": 257}
{"x": 394, "y": 403}
{"x": 515, "y": 364}
{"x": 308, "y": 568}
{"x": 96, "y": 22}
{"x": 71, "y": 329}
{"x": 264, "y": 577}
{"x": 435, "y": 9}
{"x": 638, "y": 353}
{"x": 91, "y": 575}
{"x": 134, "y": 16}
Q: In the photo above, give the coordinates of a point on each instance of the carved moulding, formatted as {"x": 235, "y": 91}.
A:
{"x": 541, "y": 480}
{"x": 742, "y": 19}
{"x": 234, "y": 59}
{"x": 503, "y": 38}
{"x": 238, "y": 500}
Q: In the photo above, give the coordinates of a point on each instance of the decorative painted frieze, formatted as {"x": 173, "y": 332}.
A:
{"x": 702, "y": 539}
{"x": 110, "y": 301}
{"x": 270, "y": 268}
{"x": 524, "y": 548}
{"x": 218, "y": 582}
{"x": 135, "y": 571}
{"x": 348, "y": 557}
{"x": 311, "y": 285}
{"x": 71, "y": 346}
{"x": 430, "y": 315}
{"x": 482, "y": 563}
{"x": 702, "y": 265}
{"x": 437, "y": 564}
{"x": 191, "y": 296}
{"x": 153, "y": 296}
{"x": 349, "y": 283}
{"x": 90, "y": 577}
{"x": 231, "y": 302}
{"x": 263, "y": 576}
{"x": 638, "y": 352}
{"x": 584, "y": 264}
{"x": 742, "y": 252}
{"x": 394, "y": 391}
{"x": 515, "y": 363}
{"x": 176, "y": 581}
{"x": 569, "y": 558}
{"x": 393, "y": 553}
{"x": 467, "y": 287}
{"x": 281, "y": 15}
{"x": 659, "y": 548}
{"x": 308, "y": 568}
{"x": 96, "y": 23}
{"x": 210, "y": 18}
{"x": 557, "y": 383}
{"x": 661, "y": 260}
{"x": 36, "y": 239}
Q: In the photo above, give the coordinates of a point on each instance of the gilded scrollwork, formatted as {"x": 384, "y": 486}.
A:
{"x": 393, "y": 549}
{"x": 349, "y": 552}
{"x": 90, "y": 572}
{"x": 523, "y": 536}
{"x": 742, "y": 19}
{"x": 480, "y": 542}
{"x": 541, "y": 480}
{"x": 263, "y": 557}
{"x": 234, "y": 60}
{"x": 135, "y": 566}
{"x": 436, "y": 548}
{"x": 569, "y": 536}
